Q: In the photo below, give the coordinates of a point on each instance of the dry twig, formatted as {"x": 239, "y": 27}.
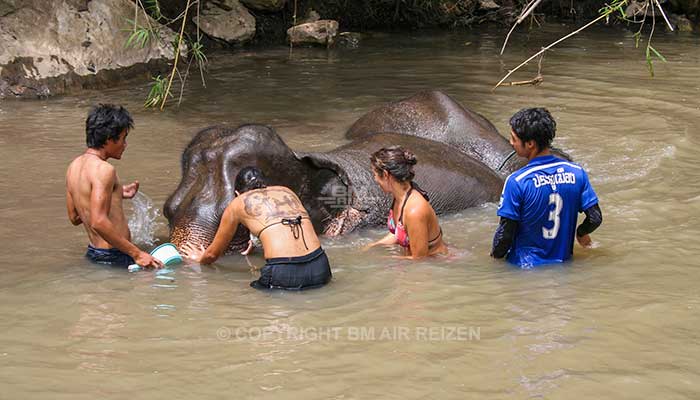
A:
{"x": 547, "y": 48}
{"x": 530, "y": 7}
{"x": 534, "y": 81}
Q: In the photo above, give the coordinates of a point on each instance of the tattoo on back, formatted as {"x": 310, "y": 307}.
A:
{"x": 270, "y": 204}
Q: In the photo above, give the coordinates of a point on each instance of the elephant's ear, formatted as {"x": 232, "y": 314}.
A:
{"x": 352, "y": 168}
{"x": 326, "y": 161}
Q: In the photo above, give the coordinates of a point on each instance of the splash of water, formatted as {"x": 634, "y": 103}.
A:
{"x": 142, "y": 222}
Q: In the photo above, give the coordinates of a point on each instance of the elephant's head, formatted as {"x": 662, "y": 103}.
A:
{"x": 210, "y": 164}
{"x": 337, "y": 188}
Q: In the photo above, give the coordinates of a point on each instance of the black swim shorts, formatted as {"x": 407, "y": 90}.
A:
{"x": 113, "y": 256}
{"x": 295, "y": 273}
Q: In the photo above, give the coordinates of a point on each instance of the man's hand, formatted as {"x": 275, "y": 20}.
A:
{"x": 130, "y": 190}
{"x": 584, "y": 240}
{"x": 193, "y": 253}
{"x": 146, "y": 260}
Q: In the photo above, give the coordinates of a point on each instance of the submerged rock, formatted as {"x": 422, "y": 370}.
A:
{"x": 681, "y": 23}
{"x": 321, "y": 32}
{"x": 350, "y": 40}
{"x": 264, "y": 5}
{"x": 54, "y": 47}
{"x": 227, "y": 20}
{"x": 488, "y": 5}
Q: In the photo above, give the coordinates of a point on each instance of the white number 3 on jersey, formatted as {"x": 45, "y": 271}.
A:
{"x": 555, "y": 199}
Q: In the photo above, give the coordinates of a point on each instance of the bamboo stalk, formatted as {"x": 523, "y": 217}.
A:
{"x": 177, "y": 56}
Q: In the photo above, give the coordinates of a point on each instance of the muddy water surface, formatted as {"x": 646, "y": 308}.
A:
{"x": 620, "y": 321}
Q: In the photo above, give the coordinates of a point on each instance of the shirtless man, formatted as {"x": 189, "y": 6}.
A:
{"x": 94, "y": 195}
{"x": 294, "y": 259}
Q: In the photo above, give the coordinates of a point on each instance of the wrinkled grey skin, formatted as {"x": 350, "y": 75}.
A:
{"x": 434, "y": 115}
{"x": 337, "y": 187}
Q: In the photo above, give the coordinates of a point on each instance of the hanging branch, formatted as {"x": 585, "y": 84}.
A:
{"x": 605, "y": 15}
{"x": 136, "y": 15}
{"x": 177, "y": 55}
{"x": 294, "y": 27}
{"x": 664, "y": 14}
{"x": 199, "y": 40}
{"x": 148, "y": 20}
{"x": 530, "y": 7}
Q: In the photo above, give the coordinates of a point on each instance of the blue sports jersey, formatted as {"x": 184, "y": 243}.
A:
{"x": 545, "y": 197}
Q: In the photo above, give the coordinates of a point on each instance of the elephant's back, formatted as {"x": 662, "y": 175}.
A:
{"x": 453, "y": 179}
{"x": 436, "y": 116}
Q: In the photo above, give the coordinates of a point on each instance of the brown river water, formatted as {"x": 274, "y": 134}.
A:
{"x": 619, "y": 321}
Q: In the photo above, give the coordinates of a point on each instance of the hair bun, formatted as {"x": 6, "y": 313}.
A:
{"x": 410, "y": 157}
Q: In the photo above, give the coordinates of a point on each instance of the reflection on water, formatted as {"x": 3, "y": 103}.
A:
{"x": 616, "y": 322}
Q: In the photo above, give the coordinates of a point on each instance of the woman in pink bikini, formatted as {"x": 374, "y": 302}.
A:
{"x": 417, "y": 228}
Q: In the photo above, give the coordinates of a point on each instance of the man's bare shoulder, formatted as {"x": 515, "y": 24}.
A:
{"x": 76, "y": 163}
{"x": 92, "y": 169}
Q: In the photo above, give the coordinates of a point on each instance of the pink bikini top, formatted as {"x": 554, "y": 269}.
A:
{"x": 398, "y": 229}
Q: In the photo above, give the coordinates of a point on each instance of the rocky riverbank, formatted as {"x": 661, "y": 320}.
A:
{"x": 64, "y": 46}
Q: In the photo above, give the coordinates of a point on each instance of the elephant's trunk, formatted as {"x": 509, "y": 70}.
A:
{"x": 344, "y": 222}
{"x": 198, "y": 235}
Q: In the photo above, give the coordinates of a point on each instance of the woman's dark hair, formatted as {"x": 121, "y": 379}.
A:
{"x": 396, "y": 161}
{"x": 534, "y": 124}
{"x": 250, "y": 178}
{"x": 106, "y": 122}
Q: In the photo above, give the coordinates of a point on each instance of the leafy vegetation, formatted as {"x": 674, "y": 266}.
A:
{"x": 616, "y": 8}
{"x": 190, "y": 50}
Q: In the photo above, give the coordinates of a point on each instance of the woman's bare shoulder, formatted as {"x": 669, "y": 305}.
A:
{"x": 418, "y": 208}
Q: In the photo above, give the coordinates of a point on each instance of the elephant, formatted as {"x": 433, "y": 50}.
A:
{"x": 435, "y": 115}
{"x": 336, "y": 187}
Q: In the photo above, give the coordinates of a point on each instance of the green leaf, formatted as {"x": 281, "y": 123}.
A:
{"x": 157, "y": 92}
{"x": 198, "y": 53}
{"x": 650, "y": 64}
{"x": 657, "y": 54}
{"x": 140, "y": 37}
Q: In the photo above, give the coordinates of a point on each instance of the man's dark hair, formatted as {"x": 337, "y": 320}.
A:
{"x": 250, "y": 178}
{"x": 106, "y": 122}
{"x": 534, "y": 124}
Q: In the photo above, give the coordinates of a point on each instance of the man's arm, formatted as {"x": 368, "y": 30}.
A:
{"x": 594, "y": 218}
{"x": 73, "y": 215}
{"x": 100, "y": 204}
{"x": 503, "y": 238}
{"x": 509, "y": 212}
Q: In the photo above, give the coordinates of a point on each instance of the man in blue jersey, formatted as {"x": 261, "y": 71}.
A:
{"x": 541, "y": 201}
